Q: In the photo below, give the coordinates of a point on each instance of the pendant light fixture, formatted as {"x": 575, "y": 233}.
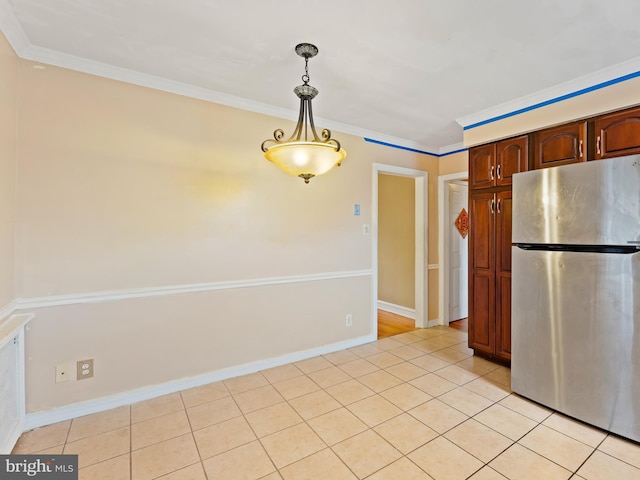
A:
{"x": 305, "y": 154}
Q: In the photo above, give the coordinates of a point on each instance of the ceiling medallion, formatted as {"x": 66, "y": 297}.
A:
{"x": 305, "y": 154}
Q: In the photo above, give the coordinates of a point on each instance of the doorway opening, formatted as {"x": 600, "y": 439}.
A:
{"x": 419, "y": 181}
{"x": 453, "y": 248}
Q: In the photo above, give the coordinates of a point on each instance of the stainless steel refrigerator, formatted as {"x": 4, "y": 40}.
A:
{"x": 576, "y": 291}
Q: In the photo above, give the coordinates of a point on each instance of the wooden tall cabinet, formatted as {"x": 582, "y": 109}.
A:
{"x": 491, "y": 168}
{"x": 482, "y": 271}
{"x": 490, "y": 244}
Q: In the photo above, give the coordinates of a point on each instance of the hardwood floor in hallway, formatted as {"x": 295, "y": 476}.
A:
{"x": 462, "y": 324}
{"x": 392, "y": 324}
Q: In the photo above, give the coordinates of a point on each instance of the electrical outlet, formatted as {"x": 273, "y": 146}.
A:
{"x": 64, "y": 372}
{"x": 349, "y": 320}
{"x": 85, "y": 369}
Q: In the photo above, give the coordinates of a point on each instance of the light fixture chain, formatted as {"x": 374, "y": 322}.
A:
{"x": 305, "y": 77}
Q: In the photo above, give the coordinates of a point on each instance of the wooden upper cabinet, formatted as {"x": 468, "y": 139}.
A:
{"x": 512, "y": 156}
{"x": 494, "y": 165}
{"x": 617, "y": 134}
{"x": 560, "y": 145}
{"x": 482, "y": 166}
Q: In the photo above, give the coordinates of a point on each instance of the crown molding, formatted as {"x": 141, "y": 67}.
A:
{"x": 12, "y": 29}
{"x": 436, "y": 152}
{"x": 25, "y": 50}
{"x": 20, "y": 43}
{"x": 578, "y": 86}
{"x": 451, "y": 149}
{"x": 79, "y": 64}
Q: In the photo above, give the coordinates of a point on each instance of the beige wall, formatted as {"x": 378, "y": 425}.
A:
{"x": 123, "y": 190}
{"x": 8, "y": 103}
{"x": 125, "y": 187}
{"x": 396, "y": 240}
{"x": 454, "y": 163}
{"x": 144, "y": 342}
{"x": 613, "y": 97}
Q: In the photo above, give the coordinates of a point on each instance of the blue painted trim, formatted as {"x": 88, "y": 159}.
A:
{"x": 423, "y": 152}
{"x": 371, "y": 140}
{"x": 551, "y": 101}
{"x": 455, "y": 151}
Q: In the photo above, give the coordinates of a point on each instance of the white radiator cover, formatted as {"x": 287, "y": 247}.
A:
{"x": 12, "y": 401}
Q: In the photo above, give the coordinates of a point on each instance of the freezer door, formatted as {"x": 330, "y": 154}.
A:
{"x": 576, "y": 335}
{"x": 590, "y": 203}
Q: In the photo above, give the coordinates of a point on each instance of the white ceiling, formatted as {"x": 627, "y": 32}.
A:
{"x": 398, "y": 71}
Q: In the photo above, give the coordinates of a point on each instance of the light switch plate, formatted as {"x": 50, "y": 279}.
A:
{"x": 64, "y": 372}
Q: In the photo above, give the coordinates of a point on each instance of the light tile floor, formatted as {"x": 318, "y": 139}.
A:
{"x": 413, "y": 406}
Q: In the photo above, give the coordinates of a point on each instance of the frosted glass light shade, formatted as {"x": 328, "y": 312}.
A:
{"x": 305, "y": 159}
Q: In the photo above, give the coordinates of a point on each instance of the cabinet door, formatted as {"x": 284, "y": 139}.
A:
{"x": 482, "y": 278}
{"x": 512, "y": 156}
{"x": 503, "y": 275}
{"x": 617, "y": 134}
{"x": 560, "y": 145}
{"x": 482, "y": 166}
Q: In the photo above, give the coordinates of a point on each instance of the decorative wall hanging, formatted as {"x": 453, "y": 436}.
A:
{"x": 462, "y": 223}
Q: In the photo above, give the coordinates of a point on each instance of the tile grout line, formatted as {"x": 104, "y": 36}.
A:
{"x": 184, "y": 407}
{"x": 611, "y": 456}
{"x": 306, "y": 422}
{"x": 206, "y": 476}
{"x": 251, "y": 427}
{"x": 450, "y": 362}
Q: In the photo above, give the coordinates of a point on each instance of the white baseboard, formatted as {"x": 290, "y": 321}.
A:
{"x": 434, "y": 323}
{"x": 397, "y": 309}
{"x": 48, "y": 417}
{"x": 405, "y": 312}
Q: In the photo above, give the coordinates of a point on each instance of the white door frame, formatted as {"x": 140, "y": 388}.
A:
{"x": 443, "y": 241}
{"x": 421, "y": 239}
